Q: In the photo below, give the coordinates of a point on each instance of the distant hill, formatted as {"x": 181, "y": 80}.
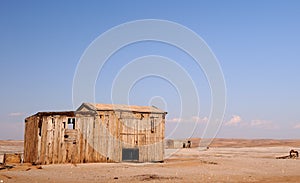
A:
{"x": 222, "y": 142}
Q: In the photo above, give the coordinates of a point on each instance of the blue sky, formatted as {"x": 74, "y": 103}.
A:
{"x": 256, "y": 43}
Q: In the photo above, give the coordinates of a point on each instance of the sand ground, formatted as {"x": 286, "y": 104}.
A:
{"x": 218, "y": 164}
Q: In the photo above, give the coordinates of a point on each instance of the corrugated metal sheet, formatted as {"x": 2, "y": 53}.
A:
{"x": 120, "y": 107}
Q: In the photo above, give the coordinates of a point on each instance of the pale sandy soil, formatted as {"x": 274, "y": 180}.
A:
{"x": 228, "y": 160}
{"x": 218, "y": 164}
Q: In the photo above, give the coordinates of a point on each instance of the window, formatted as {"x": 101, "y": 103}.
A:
{"x": 152, "y": 125}
{"x": 107, "y": 120}
{"x": 53, "y": 123}
{"x": 40, "y": 130}
{"x": 71, "y": 123}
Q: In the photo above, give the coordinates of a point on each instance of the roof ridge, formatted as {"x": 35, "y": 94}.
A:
{"x": 123, "y": 107}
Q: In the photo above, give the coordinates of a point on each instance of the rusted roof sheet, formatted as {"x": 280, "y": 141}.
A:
{"x": 66, "y": 113}
{"x": 120, "y": 107}
{"x": 60, "y": 113}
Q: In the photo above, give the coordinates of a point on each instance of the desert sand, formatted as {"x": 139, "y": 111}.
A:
{"x": 228, "y": 160}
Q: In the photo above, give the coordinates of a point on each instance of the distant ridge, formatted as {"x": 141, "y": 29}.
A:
{"x": 224, "y": 142}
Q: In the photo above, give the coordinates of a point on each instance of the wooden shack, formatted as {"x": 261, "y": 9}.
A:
{"x": 96, "y": 133}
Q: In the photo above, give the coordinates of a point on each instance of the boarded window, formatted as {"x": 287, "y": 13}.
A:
{"x": 71, "y": 123}
{"x": 152, "y": 125}
{"x": 53, "y": 123}
{"x": 107, "y": 120}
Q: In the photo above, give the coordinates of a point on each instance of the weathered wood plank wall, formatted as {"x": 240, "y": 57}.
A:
{"x": 97, "y": 137}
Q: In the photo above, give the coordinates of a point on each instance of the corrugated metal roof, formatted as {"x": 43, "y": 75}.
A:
{"x": 66, "y": 113}
{"x": 121, "y": 107}
{"x": 51, "y": 113}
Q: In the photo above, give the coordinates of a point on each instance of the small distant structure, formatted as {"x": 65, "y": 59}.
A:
{"x": 186, "y": 144}
{"x": 96, "y": 133}
{"x": 293, "y": 155}
{"x": 177, "y": 144}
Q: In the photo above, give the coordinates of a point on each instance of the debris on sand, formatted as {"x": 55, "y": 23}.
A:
{"x": 148, "y": 177}
{"x": 209, "y": 162}
{"x": 7, "y": 167}
{"x": 6, "y": 176}
{"x": 293, "y": 155}
{"x": 10, "y": 158}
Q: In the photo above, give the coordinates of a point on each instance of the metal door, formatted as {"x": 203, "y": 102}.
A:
{"x": 130, "y": 154}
